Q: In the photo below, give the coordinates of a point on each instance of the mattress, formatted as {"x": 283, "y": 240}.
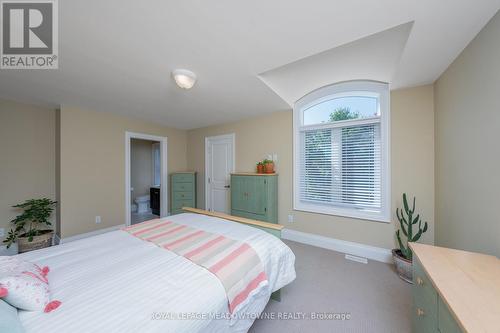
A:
{"x": 115, "y": 282}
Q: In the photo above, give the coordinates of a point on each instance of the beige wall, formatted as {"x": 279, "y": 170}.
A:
{"x": 92, "y": 166}
{"x": 141, "y": 166}
{"x": 27, "y": 150}
{"x": 412, "y": 118}
{"x": 467, "y": 146}
{"x": 90, "y": 163}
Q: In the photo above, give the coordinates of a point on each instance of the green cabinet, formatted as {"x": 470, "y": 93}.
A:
{"x": 255, "y": 196}
{"x": 429, "y": 312}
{"x": 182, "y": 191}
{"x": 446, "y": 323}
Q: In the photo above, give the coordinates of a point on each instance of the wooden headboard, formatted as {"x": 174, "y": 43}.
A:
{"x": 273, "y": 229}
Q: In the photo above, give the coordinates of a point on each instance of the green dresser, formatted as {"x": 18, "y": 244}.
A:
{"x": 454, "y": 290}
{"x": 182, "y": 191}
{"x": 430, "y": 313}
{"x": 255, "y": 196}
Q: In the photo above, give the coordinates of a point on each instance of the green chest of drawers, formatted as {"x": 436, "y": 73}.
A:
{"x": 182, "y": 191}
{"x": 430, "y": 313}
{"x": 255, "y": 196}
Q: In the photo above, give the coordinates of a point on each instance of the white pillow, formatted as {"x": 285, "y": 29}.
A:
{"x": 25, "y": 285}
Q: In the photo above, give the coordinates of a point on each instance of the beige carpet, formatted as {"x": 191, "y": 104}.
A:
{"x": 374, "y": 296}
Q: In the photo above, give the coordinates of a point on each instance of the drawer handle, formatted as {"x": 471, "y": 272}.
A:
{"x": 420, "y": 312}
{"x": 420, "y": 282}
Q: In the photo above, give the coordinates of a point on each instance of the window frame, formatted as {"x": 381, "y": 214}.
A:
{"x": 381, "y": 90}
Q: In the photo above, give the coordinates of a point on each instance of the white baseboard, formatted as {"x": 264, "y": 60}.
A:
{"x": 357, "y": 249}
{"x": 58, "y": 240}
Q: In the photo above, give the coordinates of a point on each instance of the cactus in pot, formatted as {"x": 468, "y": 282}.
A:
{"x": 412, "y": 228}
{"x": 407, "y": 224}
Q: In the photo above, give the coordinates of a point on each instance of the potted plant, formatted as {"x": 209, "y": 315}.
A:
{"x": 27, "y": 231}
{"x": 260, "y": 167}
{"x": 403, "y": 256}
{"x": 268, "y": 166}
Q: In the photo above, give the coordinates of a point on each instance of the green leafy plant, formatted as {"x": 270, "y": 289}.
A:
{"x": 260, "y": 163}
{"x": 36, "y": 213}
{"x": 343, "y": 113}
{"x": 407, "y": 224}
{"x": 266, "y": 161}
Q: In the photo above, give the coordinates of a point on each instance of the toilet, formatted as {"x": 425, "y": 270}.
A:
{"x": 142, "y": 204}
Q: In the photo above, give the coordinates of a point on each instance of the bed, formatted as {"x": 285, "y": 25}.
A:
{"x": 115, "y": 282}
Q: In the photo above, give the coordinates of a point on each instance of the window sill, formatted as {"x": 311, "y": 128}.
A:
{"x": 347, "y": 213}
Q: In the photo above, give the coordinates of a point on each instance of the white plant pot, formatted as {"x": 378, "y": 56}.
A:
{"x": 404, "y": 267}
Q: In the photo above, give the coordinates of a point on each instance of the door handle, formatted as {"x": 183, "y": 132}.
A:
{"x": 227, "y": 186}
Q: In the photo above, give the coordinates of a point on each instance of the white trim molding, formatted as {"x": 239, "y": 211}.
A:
{"x": 356, "y": 249}
{"x": 164, "y": 172}
{"x": 58, "y": 240}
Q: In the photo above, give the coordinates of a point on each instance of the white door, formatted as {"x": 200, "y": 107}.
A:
{"x": 219, "y": 163}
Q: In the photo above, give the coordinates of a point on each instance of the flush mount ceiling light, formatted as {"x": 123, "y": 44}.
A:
{"x": 184, "y": 78}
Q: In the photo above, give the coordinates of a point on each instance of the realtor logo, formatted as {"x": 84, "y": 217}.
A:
{"x": 29, "y": 34}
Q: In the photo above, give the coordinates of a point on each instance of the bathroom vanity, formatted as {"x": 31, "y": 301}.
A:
{"x": 154, "y": 197}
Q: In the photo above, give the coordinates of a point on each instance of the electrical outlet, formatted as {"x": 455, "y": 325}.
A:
{"x": 97, "y": 219}
{"x": 290, "y": 218}
{"x": 2, "y": 232}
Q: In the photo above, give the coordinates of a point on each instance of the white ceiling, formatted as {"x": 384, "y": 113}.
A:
{"x": 117, "y": 55}
{"x": 375, "y": 57}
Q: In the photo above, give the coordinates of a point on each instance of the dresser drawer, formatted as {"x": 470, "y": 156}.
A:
{"x": 182, "y": 191}
{"x": 178, "y": 204}
{"x": 183, "y": 187}
{"x": 176, "y": 211}
{"x": 183, "y": 195}
{"x": 446, "y": 322}
{"x": 248, "y": 215}
{"x": 423, "y": 320}
{"x": 425, "y": 301}
{"x": 421, "y": 283}
{"x": 183, "y": 178}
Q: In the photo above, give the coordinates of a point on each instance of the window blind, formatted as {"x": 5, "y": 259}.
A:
{"x": 341, "y": 166}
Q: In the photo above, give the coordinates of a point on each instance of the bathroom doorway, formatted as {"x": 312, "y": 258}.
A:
{"x": 145, "y": 177}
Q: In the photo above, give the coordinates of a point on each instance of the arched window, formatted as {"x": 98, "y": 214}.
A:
{"x": 341, "y": 151}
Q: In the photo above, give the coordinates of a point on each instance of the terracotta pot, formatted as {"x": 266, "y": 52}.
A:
{"x": 404, "y": 266}
{"x": 269, "y": 167}
{"x": 260, "y": 168}
{"x": 39, "y": 242}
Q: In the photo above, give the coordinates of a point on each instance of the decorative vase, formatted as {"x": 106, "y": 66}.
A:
{"x": 39, "y": 242}
{"x": 269, "y": 167}
{"x": 404, "y": 267}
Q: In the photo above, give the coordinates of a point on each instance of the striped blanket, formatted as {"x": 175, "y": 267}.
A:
{"x": 235, "y": 263}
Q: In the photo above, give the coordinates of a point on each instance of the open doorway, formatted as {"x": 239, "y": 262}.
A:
{"x": 146, "y": 177}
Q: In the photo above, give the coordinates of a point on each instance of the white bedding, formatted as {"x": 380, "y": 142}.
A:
{"x": 115, "y": 282}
